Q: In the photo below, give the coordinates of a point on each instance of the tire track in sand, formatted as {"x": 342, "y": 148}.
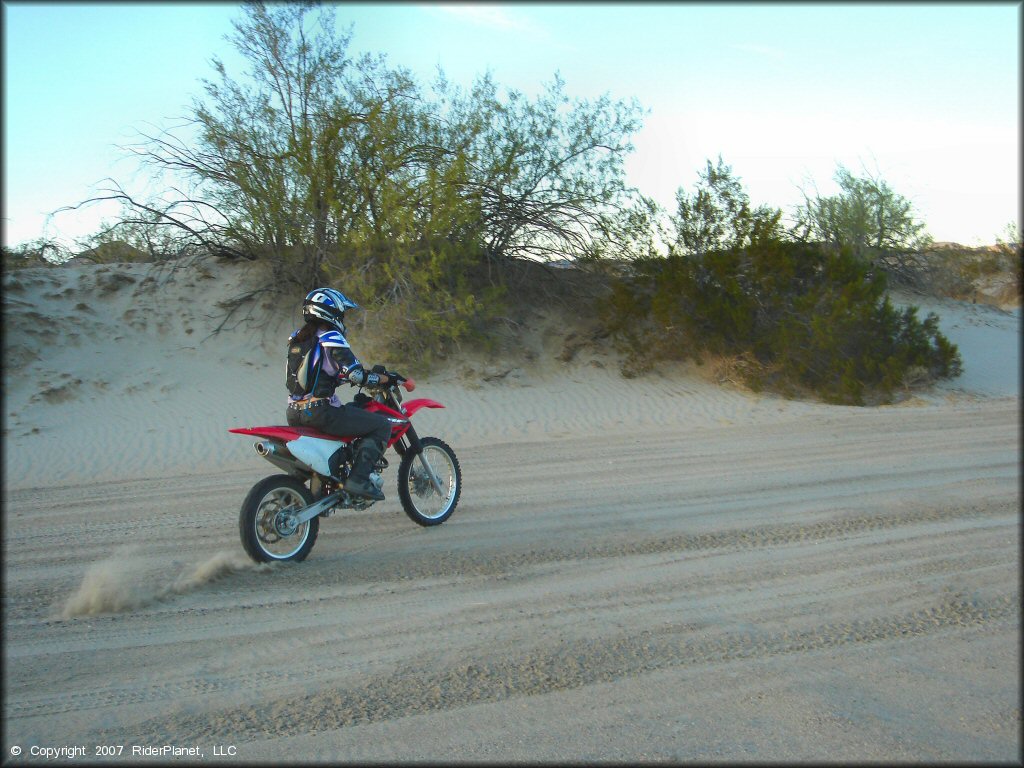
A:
{"x": 413, "y": 689}
{"x": 453, "y": 569}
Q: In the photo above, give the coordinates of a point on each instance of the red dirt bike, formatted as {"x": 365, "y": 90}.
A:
{"x": 280, "y": 517}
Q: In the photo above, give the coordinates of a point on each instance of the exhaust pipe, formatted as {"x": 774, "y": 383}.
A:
{"x": 280, "y": 456}
{"x": 270, "y": 448}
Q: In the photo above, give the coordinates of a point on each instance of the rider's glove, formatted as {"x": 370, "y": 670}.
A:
{"x": 398, "y": 378}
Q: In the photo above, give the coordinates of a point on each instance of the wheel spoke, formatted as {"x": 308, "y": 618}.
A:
{"x": 267, "y": 521}
{"x": 432, "y": 484}
{"x": 274, "y": 537}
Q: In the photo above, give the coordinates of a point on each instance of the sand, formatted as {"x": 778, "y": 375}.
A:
{"x": 655, "y": 569}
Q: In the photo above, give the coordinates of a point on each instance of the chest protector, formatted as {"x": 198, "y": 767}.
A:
{"x": 302, "y": 374}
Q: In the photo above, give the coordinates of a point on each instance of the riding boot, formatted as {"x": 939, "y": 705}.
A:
{"x": 358, "y": 482}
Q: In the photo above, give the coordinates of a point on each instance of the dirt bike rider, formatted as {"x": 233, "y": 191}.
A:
{"x": 316, "y": 404}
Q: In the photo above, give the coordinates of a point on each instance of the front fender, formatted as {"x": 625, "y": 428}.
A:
{"x": 411, "y": 406}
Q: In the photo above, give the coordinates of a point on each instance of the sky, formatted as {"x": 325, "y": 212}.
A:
{"x": 925, "y": 96}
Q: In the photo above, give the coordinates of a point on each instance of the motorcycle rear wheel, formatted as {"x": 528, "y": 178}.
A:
{"x": 419, "y": 497}
{"x": 267, "y": 534}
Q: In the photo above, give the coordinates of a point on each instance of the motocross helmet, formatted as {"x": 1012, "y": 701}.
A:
{"x": 327, "y": 305}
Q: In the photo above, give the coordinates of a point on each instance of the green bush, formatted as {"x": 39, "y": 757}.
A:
{"x": 809, "y": 318}
{"x": 430, "y": 301}
{"x": 35, "y": 253}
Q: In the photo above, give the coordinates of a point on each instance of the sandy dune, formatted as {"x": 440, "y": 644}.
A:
{"x": 739, "y": 578}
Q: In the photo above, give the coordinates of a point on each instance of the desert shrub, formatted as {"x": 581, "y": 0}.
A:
{"x": 718, "y": 214}
{"x": 311, "y": 157}
{"x": 425, "y": 304}
{"x": 871, "y": 219}
{"x": 345, "y": 170}
{"x": 805, "y": 317}
{"x": 957, "y": 270}
{"x": 867, "y": 215}
{"x": 35, "y": 253}
{"x": 113, "y": 251}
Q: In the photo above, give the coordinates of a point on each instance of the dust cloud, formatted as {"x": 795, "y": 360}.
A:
{"x": 127, "y": 581}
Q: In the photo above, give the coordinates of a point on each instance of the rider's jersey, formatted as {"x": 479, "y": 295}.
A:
{"x": 339, "y": 365}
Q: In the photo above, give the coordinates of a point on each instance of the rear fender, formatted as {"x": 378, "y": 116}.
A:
{"x": 282, "y": 433}
{"x": 309, "y": 446}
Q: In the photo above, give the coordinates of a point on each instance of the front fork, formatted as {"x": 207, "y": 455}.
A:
{"x": 416, "y": 446}
{"x": 413, "y": 444}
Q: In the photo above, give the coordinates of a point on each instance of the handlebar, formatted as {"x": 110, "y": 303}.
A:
{"x": 408, "y": 384}
{"x": 395, "y": 380}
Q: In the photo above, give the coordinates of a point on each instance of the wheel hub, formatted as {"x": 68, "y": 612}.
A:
{"x": 421, "y": 484}
{"x": 284, "y": 523}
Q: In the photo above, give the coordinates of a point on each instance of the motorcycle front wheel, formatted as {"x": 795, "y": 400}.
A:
{"x": 425, "y": 502}
{"x": 266, "y": 526}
